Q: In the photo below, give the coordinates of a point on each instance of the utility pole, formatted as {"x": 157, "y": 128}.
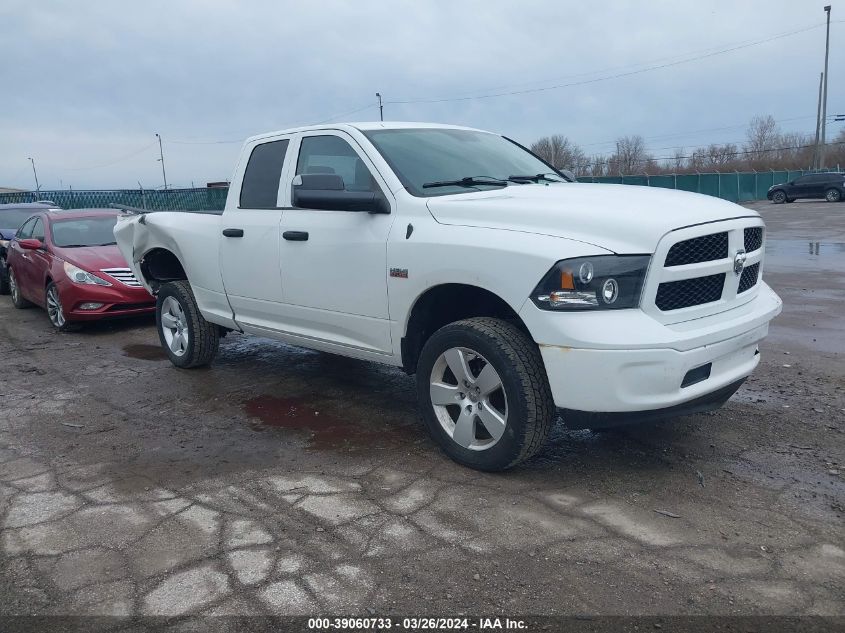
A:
{"x": 380, "y": 107}
{"x": 824, "y": 104}
{"x": 35, "y": 173}
{"x": 161, "y": 155}
{"x": 818, "y": 124}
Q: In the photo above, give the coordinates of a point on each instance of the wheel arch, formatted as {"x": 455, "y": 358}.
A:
{"x": 160, "y": 265}
{"x": 446, "y": 303}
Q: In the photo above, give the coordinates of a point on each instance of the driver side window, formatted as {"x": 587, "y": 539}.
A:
{"x": 333, "y": 155}
{"x": 38, "y": 230}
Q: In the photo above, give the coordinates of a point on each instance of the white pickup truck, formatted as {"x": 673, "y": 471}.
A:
{"x": 457, "y": 254}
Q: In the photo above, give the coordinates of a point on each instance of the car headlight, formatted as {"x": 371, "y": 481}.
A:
{"x": 604, "y": 282}
{"x": 79, "y": 276}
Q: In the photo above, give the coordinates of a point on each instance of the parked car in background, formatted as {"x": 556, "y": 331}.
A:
{"x": 460, "y": 256}
{"x": 11, "y": 218}
{"x": 829, "y": 186}
{"x": 68, "y": 263}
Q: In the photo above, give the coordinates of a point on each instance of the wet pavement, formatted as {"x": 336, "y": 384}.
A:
{"x": 285, "y": 481}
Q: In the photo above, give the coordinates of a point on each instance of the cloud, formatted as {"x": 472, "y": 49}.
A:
{"x": 87, "y": 85}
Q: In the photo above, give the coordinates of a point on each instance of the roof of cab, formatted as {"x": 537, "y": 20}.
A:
{"x": 364, "y": 126}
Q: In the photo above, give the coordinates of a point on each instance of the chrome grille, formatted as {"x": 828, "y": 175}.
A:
{"x": 699, "y": 249}
{"x": 674, "y": 295}
{"x": 123, "y": 275}
{"x": 749, "y": 278}
{"x": 753, "y": 238}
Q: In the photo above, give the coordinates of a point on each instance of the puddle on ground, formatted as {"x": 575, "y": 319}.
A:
{"x": 326, "y": 431}
{"x": 784, "y": 256}
{"x": 142, "y": 351}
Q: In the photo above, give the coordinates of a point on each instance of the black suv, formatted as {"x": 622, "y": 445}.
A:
{"x": 828, "y": 186}
{"x": 11, "y": 218}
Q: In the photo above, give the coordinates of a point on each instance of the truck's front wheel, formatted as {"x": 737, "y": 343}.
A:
{"x": 484, "y": 393}
{"x": 189, "y": 340}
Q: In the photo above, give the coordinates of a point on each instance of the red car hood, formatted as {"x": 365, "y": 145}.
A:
{"x": 92, "y": 258}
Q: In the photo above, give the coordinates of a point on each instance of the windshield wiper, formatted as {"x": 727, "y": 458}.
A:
{"x": 535, "y": 178}
{"x": 469, "y": 181}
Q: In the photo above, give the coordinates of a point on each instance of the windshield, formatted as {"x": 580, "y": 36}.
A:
{"x": 84, "y": 232}
{"x": 13, "y": 218}
{"x": 437, "y": 156}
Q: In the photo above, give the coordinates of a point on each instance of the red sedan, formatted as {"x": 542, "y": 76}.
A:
{"x": 68, "y": 263}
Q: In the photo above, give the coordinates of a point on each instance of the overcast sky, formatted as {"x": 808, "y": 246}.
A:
{"x": 87, "y": 84}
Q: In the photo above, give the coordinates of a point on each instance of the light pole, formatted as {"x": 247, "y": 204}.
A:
{"x": 818, "y": 124}
{"x": 161, "y": 158}
{"x": 380, "y": 107}
{"x": 35, "y": 173}
{"x": 824, "y": 103}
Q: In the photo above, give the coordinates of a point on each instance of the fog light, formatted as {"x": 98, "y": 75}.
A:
{"x": 610, "y": 291}
{"x": 90, "y": 306}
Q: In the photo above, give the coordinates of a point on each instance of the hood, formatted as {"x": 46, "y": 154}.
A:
{"x": 92, "y": 258}
{"x": 619, "y": 218}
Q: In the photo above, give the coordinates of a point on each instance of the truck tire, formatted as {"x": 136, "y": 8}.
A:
{"x": 17, "y": 298}
{"x": 187, "y": 338}
{"x": 484, "y": 393}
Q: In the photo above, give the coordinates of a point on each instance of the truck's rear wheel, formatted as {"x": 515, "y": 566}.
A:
{"x": 484, "y": 393}
{"x": 189, "y": 340}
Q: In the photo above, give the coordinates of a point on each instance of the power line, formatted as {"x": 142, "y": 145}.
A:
{"x": 606, "y": 78}
{"x": 112, "y": 162}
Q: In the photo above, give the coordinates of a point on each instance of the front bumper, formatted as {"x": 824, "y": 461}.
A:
{"x": 624, "y": 361}
{"x": 117, "y": 300}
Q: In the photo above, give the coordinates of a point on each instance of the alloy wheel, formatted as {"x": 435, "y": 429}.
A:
{"x": 54, "y": 308}
{"x": 832, "y": 196}
{"x": 174, "y": 326}
{"x": 468, "y": 398}
{"x": 779, "y": 197}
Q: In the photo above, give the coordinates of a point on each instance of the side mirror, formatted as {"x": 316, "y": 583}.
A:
{"x": 327, "y": 192}
{"x": 30, "y": 244}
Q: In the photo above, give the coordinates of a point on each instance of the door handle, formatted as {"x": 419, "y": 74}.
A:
{"x": 233, "y": 232}
{"x": 295, "y": 236}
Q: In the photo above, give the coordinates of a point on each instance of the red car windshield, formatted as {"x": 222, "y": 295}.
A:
{"x": 80, "y": 232}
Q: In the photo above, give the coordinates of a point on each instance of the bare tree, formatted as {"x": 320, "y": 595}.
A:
{"x": 631, "y": 156}
{"x": 561, "y": 153}
{"x": 715, "y": 157}
{"x": 835, "y": 151}
{"x": 763, "y": 137}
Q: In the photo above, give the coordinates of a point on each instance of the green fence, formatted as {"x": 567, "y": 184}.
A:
{"x": 163, "y": 200}
{"x": 733, "y": 186}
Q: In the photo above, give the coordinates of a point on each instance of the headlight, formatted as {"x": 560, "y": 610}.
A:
{"x": 79, "y": 276}
{"x": 605, "y": 282}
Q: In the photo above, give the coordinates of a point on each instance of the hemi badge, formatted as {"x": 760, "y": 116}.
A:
{"x": 401, "y": 273}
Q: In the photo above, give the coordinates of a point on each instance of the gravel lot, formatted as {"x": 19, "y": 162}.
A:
{"x": 283, "y": 481}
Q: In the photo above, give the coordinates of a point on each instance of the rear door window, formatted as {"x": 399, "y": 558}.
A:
{"x": 25, "y": 232}
{"x": 260, "y": 186}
